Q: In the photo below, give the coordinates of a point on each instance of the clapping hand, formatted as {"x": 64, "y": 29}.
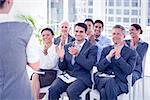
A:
{"x": 117, "y": 50}
{"x": 92, "y": 38}
{"x": 132, "y": 44}
{"x": 60, "y": 51}
{"x": 73, "y": 50}
{"x": 111, "y": 53}
{"x": 45, "y": 49}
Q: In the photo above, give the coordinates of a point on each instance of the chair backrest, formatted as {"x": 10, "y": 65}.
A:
{"x": 93, "y": 71}
{"x": 143, "y": 64}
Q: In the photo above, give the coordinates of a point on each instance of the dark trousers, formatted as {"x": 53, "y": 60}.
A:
{"x": 108, "y": 88}
{"x": 73, "y": 89}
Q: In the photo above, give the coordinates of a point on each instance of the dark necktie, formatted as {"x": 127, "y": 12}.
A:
{"x": 96, "y": 40}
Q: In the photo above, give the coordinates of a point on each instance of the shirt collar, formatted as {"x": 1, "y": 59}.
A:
{"x": 81, "y": 44}
{"x": 6, "y": 18}
{"x": 100, "y": 37}
{"x": 121, "y": 46}
{"x": 141, "y": 41}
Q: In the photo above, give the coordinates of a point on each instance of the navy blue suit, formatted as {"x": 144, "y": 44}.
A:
{"x": 111, "y": 87}
{"x": 57, "y": 40}
{"x": 80, "y": 69}
{"x": 141, "y": 50}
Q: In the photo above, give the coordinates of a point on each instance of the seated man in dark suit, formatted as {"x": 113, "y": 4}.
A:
{"x": 76, "y": 60}
{"x": 115, "y": 64}
{"x": 64, "y": 37}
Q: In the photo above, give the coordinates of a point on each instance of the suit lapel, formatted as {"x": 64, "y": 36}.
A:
{"x": 70, "y": 39}
{"x": 124, "y": 50}
{"x": 84, "y": 47}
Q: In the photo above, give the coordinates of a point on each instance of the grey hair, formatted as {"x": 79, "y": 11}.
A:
{"x": 119, "y": 26}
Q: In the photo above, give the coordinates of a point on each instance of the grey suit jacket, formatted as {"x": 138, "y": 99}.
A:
{"x": 14, "y": 81}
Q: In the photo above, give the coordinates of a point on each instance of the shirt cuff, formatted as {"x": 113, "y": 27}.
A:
{"x": 61, "y": 60}
{"x": 117, "y": 57}
{"x": 109, "y": 60}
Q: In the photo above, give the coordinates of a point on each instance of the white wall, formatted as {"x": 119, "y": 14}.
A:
{"x": 35, "y": 8}
{"x": 99, "y": 10}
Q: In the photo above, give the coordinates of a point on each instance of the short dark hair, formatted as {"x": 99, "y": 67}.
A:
{"x": 99, "y": 21}
{"x": 2, "y": 3}
{"x": 48, "y": 29}
{"x": 81, "y": 25}
{"x": 89, "y": 19}
{"x": 138, "y": 27}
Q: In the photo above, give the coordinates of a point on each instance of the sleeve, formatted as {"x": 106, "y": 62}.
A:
{"x": 104, "y": 62}
{"x": 32, "y": 51}
{"x": 62, "y": 64}
{"x": 127, "y": 65}
{"x": 87, "y": 60}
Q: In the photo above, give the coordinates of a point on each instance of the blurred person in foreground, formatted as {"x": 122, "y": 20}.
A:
{"x": 17, "y": 49}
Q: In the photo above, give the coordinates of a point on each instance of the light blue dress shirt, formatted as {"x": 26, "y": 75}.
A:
{"x": 102, "y": 43}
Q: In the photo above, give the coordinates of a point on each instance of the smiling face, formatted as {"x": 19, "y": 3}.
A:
{"x": 134, "y": 33}
{"x": 117, "y": 36}
{"x": 89, "y": 26}
{"x": 64, "y": 28}
{"x": 98, "y": 29}
{"x": 47, "y": 37}
{"x": 79, "y": 33}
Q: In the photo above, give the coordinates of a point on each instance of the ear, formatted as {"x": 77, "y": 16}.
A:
{"x": 8, "y": 1}
{"x": 69, "y": 29}
{"x": 139, "y": 31}
{"x": 102, "y": 28}
{"x": 124, "y": 35}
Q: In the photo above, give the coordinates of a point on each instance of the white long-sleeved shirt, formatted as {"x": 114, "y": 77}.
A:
{"x": 50, "y": 60}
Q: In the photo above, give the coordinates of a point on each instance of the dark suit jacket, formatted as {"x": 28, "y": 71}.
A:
{"x": 83, "y": 62}
{"x": 121, "y": 67}
{"x": 57, "y": 40}
{"x": 141, "y": 50}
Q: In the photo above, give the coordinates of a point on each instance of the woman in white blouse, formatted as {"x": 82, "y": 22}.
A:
{"x": 17, "y": 49}
{"x": 49, "y": 60}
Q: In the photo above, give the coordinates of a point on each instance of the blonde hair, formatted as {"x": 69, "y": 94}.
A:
{"x": 64, "y": 21}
